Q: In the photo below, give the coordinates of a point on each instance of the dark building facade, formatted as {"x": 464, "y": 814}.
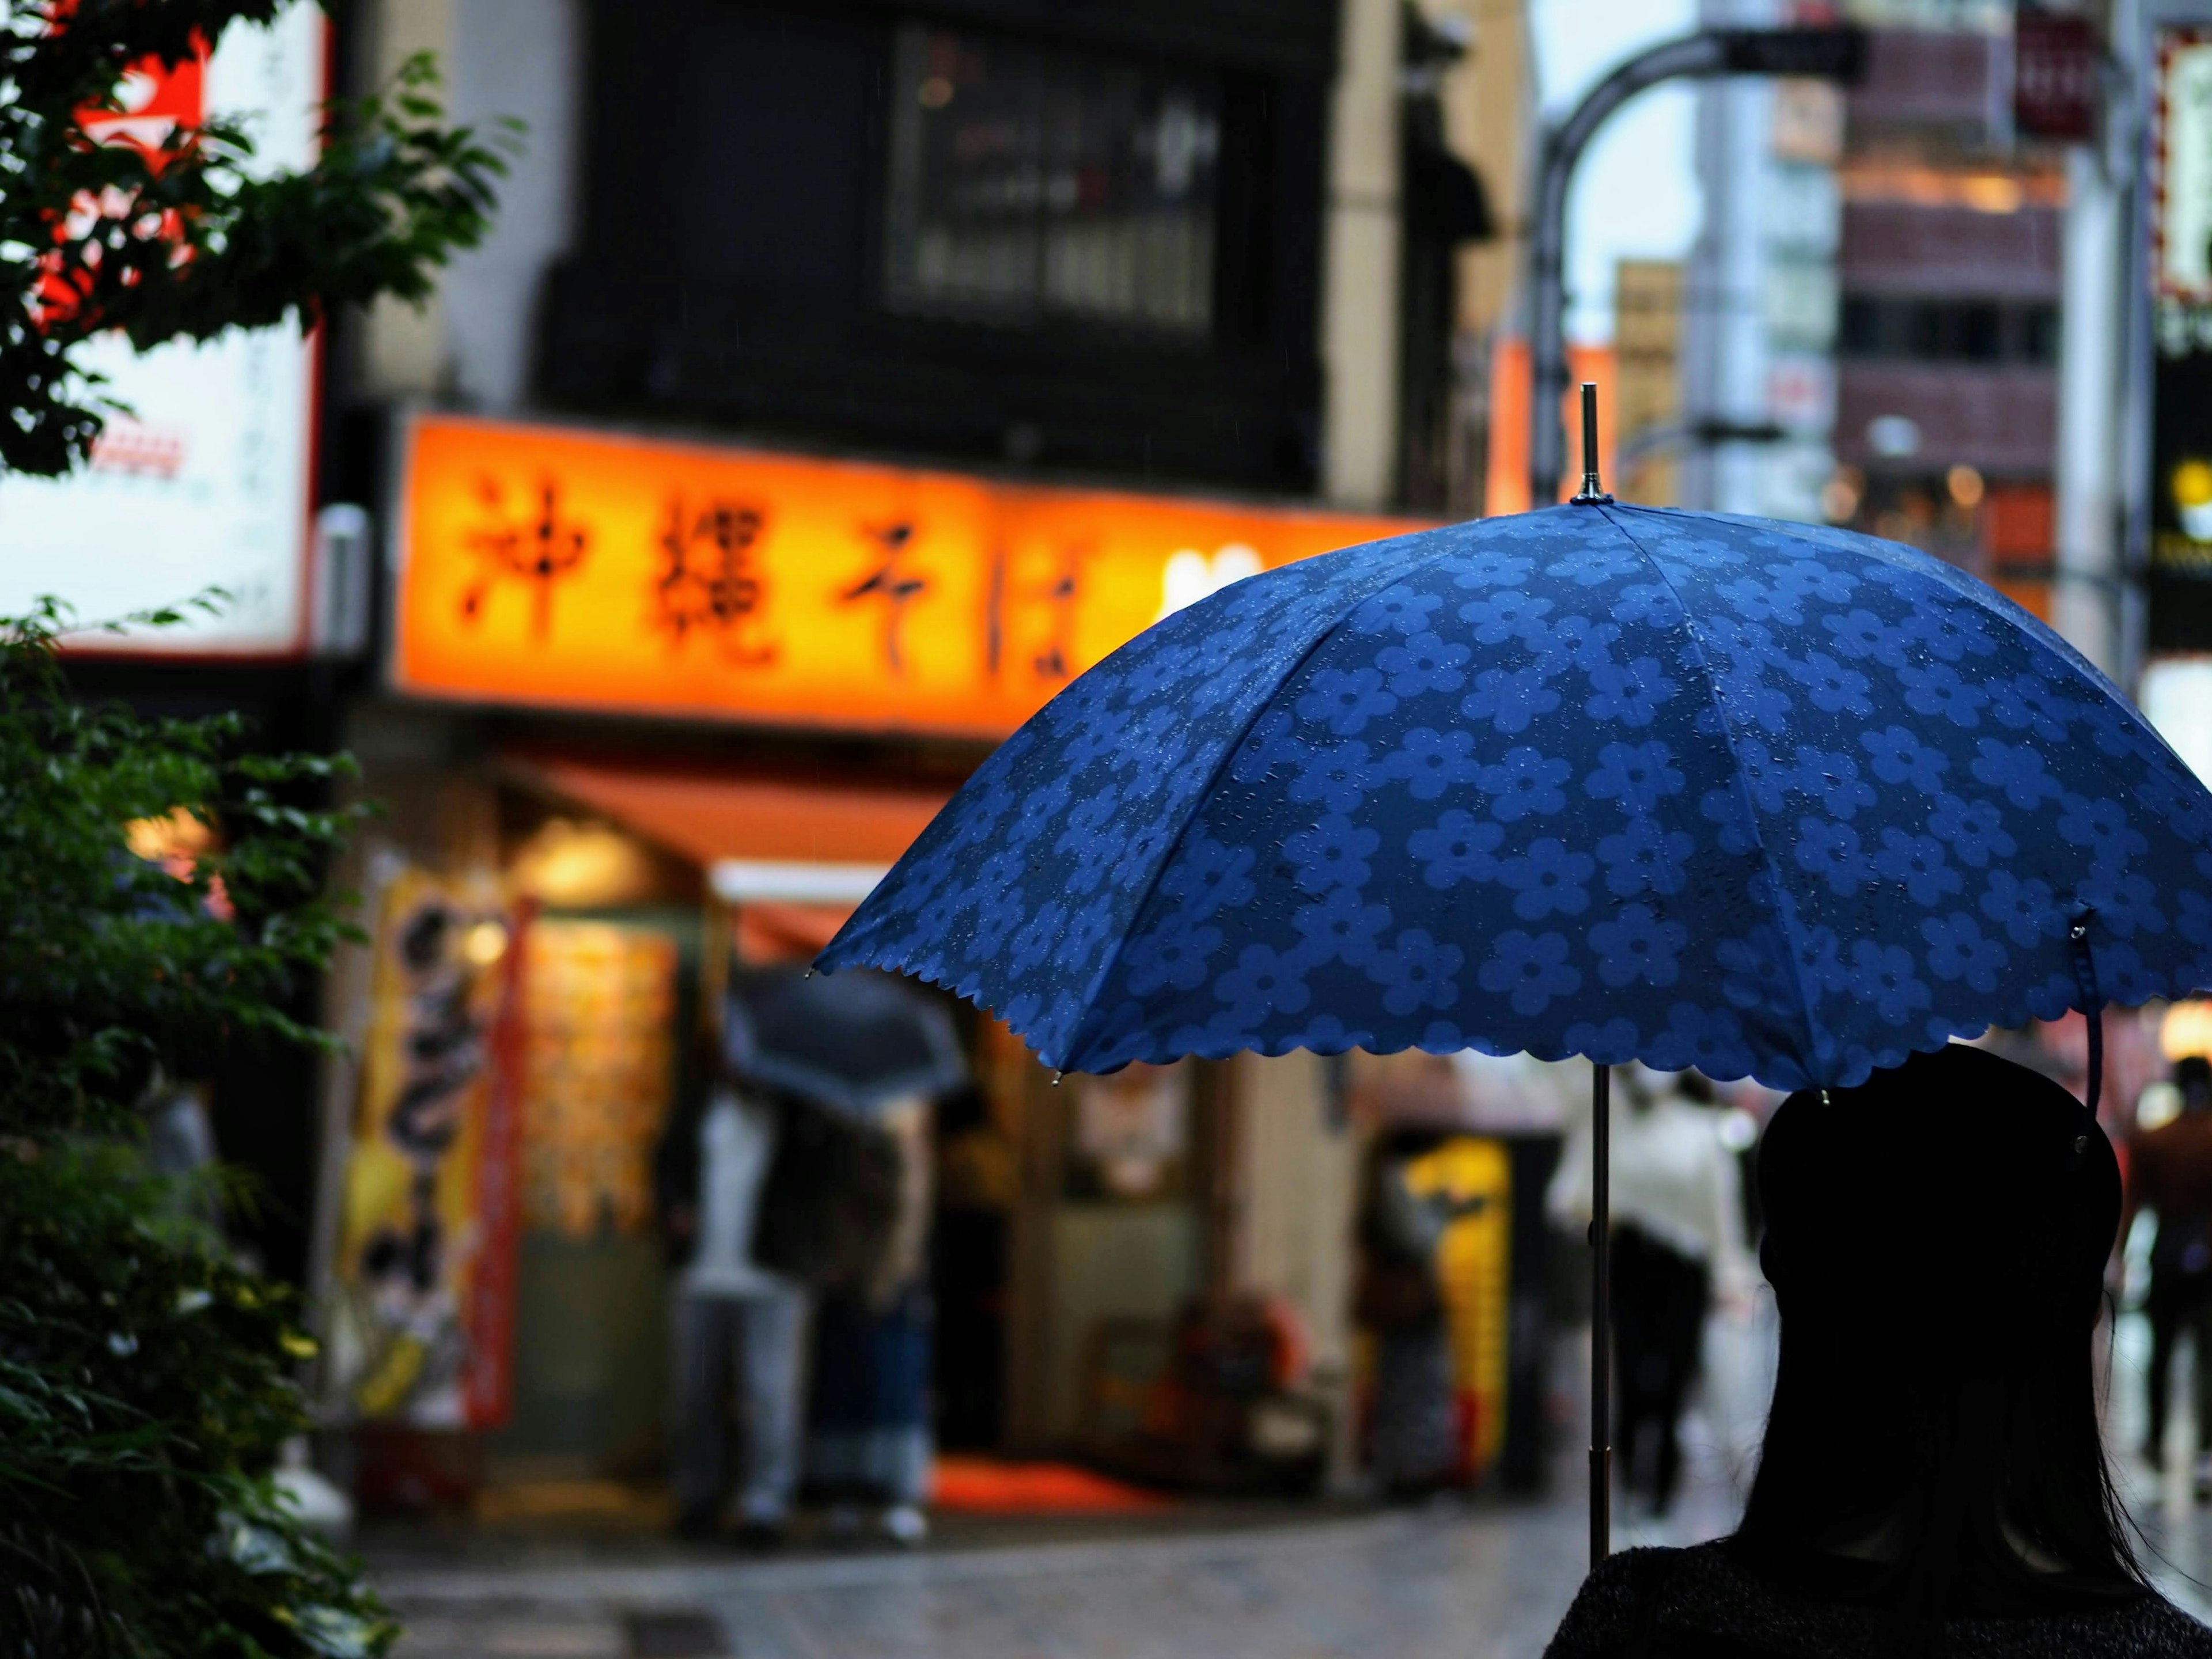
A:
{"x": 1078, "y": 236}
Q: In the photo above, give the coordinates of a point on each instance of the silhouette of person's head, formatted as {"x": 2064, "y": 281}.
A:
{"x": 1937, "y": 1239}
{"x": 2193, "y": 1076}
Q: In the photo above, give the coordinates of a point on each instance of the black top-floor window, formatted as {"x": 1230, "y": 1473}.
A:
{"x": 1027, "y": 181}
{"x": 1068, "y": 232}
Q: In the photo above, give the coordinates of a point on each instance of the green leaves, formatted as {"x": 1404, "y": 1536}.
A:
{"x": 193, "y": 239}
{"x": 164, "y": 881}
{"x": 145, "y": 1381}
{"x": 136, "y": 1514}
{"x": 110, "y": 962}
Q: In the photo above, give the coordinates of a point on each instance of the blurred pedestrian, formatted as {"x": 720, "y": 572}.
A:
{"x": 740, "y": 1327}
{"x": 869, "y": 1439}
{"x": 978, "y": 1189}
{"x": 1413, "y": 1446}
{"x": 180, "y": 1149}
{"x": 2170, "y": 1175}
{"x": 857, "y": 1060}
{"x": 1677, "y": 1236}
{"x": 1932, "y": 1481}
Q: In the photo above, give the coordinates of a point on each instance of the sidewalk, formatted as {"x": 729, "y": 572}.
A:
{"x": 1483, "y": 1579}
{"x": 1486, "y": 1579}
{"x": 1480, "y": 1585}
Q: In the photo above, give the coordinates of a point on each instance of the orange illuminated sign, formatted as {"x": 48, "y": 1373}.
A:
{"x": 570, "y": 568}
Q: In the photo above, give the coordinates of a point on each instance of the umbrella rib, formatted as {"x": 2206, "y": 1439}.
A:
{"x": 1783, "y": 914}
{"x": 1198, "y": 801}
{"x": 1987, "y": 600}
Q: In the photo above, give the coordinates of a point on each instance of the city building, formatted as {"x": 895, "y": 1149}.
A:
{"x": 1760, "y": 309}
{"x": 1873, "y": 319}
{"x": 839, "y": 381}
{"x": 1647, "y": 390}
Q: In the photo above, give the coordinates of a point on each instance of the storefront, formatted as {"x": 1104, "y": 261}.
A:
{"x": 654, "y": 708}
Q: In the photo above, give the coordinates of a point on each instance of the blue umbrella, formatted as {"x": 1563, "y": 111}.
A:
{"x": 1629, "y": 783}
{"x": 1761, "y": 798}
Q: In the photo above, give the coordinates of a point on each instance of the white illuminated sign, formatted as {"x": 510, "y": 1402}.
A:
{"x": 208, "y": 482}
{"x": 2175, "y": 698}
{"x": 2182, "y": 200}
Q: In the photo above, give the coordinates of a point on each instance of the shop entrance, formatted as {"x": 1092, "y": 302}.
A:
{"x": 612, "y": 938}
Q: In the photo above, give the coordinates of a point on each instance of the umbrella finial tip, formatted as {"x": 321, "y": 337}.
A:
{"x": 1056, "y": 1077}
{"x": 1592, "y": 493}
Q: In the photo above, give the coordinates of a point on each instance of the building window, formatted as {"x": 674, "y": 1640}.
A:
{"x": 1029, "y": 183}
{"x": 1949, "y": 331}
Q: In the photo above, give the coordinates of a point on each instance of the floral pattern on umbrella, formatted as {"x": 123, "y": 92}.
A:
{"x": 1624, "y": 782}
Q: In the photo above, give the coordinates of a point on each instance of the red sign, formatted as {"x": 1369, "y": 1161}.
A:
{"x": 154, "y": 103}
{"x": 2056, "y": 77}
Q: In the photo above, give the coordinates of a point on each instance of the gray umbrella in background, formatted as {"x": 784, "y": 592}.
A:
{"x": 852, "y": 1042}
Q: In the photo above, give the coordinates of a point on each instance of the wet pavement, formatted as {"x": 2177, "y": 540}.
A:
{"x": 2176, "y": 1529}
{"x": 1479, "y": 1579}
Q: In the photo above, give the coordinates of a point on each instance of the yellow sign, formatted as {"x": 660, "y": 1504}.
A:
{"x": 403, "y": 1335}
{"x": 2186, "y": 1029}
{"x": 580, "y": 569}
{"x": 1473, "y": 1266}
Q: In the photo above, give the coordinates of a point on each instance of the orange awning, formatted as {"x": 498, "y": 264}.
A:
{"x": 711, "y": 816}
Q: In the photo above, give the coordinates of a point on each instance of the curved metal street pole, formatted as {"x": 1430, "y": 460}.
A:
{"x": 1825, "y": 53}
{"x": 1701, "y": 54}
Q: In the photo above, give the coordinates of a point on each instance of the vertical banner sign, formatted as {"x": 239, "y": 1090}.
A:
{"x": 2180, "y": 578}
{"x": 433, "y": 1139}
{"x": 207, "y": 480}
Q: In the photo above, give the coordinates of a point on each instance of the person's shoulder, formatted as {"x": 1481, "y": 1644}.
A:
{"x": 1606, "y": 1610}
{"x": 2158, "y": 1630}
{"x": 2149, "y": 1627}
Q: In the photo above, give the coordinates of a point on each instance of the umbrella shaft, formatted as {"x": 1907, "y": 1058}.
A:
{"x": 1601, "y": 1454}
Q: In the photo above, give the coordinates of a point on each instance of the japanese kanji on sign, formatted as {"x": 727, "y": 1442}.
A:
{"x": 559, "y": 567}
